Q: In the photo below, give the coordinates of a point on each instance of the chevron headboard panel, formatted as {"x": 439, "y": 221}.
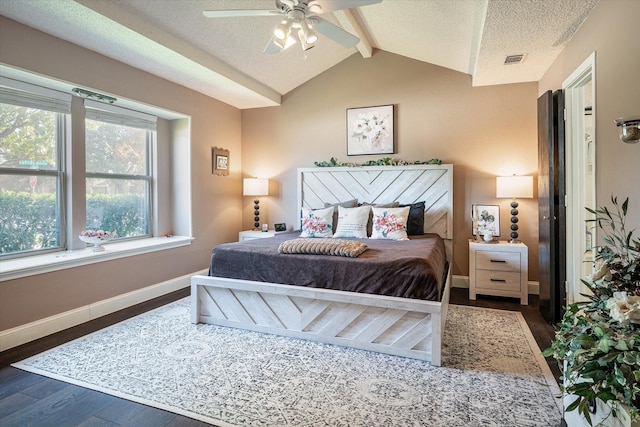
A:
{"x": 383, "y": 184}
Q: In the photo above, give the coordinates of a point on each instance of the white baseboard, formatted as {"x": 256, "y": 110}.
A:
{"x": 463, "y": 282}
{"x": 22, "y": 334}
{"x": 460, "y": 281}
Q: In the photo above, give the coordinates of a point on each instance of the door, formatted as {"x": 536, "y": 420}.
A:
{"x": 551, "y": 204}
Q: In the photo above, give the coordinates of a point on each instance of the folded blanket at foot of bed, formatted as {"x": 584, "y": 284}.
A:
{"x": 335, "y": 247}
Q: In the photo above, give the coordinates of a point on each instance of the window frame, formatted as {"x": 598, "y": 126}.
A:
{"x": 59, "y": 172}
{"x": 149, "y": 178}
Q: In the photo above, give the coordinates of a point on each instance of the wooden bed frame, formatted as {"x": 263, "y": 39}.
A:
{"x": 392, "y": 325}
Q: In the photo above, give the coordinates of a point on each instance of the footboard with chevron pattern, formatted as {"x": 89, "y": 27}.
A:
{"x": 399, "y": 326}
{"x": 391, "y": 325}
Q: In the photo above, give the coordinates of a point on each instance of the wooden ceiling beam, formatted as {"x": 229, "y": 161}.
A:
{"x": 347, "y": 19}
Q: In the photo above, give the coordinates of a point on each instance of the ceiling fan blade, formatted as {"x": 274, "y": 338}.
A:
{"x": 334, "y": 32}
{"x": 325, "y": 6}
{"x": 240, "y": 12}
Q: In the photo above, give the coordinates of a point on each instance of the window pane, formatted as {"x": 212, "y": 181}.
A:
{"x": 28, "y": 216}
{"x": 27, "y": 138}
{"x": 113, "y": 148}
{"x": 118, "y": 205}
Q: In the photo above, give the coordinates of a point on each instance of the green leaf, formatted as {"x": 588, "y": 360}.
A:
{"x": 606, "y": 395}
{"x": 548, "y": 352}
{"x": 596, "y": 374}
{"x": 603, "y": 345}
{"x": 574, "y": 405}
{"x": 622, "y": 346}
{"x": 583, "y": 408}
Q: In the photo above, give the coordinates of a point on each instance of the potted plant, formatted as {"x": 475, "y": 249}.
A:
{"x": 597, "y": 344}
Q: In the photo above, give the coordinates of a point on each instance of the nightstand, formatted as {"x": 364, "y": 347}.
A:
{"x": 255, "y": 234}
{"x": 500, "y": 269}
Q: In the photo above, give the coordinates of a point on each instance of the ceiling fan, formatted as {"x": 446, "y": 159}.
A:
{"x": 300, "y": 22}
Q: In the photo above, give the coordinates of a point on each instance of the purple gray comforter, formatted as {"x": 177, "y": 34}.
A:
{"x": 408, "y": 269}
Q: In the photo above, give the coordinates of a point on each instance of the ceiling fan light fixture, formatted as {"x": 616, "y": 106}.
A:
{"x": 307, "y": 33}
{"x": 306, "y": 45}
{"x": 283, "y": 29}
{"x": 285, "y": 44}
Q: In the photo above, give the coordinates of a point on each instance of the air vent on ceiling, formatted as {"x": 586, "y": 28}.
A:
{"x": 514, "y": 59}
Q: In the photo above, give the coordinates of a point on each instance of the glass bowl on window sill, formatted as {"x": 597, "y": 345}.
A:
{"x": 96, "y": 238}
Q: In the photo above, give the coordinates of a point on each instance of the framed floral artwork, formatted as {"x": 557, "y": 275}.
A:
{"x": 370, "y": 130}
{"x": 219, "y": 161}
{"x": 485, "y": 219}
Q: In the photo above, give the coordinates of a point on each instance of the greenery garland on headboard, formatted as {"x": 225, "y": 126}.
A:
{"x": 385, "y": 161}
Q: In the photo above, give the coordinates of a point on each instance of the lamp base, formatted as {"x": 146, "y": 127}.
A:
{"x": 256, "y": 215}
{"x": 514, "y": 222}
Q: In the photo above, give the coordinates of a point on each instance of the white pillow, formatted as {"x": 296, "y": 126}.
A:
{"x": 390, "y": 223}
{"x": 317, "y": 223}
{"x": 352, "y": 222}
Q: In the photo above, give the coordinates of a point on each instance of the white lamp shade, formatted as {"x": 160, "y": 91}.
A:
{"x": 514, "y": 187}
{"x": 255, "y": 187}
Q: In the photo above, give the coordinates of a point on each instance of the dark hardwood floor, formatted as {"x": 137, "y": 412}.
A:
{"x": 32, "y": 400}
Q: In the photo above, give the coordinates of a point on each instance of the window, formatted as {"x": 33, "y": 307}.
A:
{"x": 68, "y": 163}
{"x": 118, "y": 147}
{"x": 36, "y": 185}
{"x": 32, "y": 129}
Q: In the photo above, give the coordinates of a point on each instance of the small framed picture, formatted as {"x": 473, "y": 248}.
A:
{"x": 219, "y": 161}
{"x": 370, "y": 130}
{"x": 485, "y": 219}
{"x": 280, "y": 227}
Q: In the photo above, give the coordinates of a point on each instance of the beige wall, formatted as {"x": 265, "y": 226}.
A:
{"x": 612, "y": 32}
{"x": 216, "y": 207}
{"x": 482, "y": 131}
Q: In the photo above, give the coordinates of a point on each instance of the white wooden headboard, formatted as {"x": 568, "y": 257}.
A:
{"x": 432, "y": 184}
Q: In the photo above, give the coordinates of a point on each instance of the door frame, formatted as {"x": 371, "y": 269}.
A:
{"x": 577, "y": 178}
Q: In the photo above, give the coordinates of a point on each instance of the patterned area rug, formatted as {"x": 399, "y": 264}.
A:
{"x": 492, "y": 374}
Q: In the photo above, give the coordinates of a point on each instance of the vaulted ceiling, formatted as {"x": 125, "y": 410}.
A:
{"x": 223, "y": 57}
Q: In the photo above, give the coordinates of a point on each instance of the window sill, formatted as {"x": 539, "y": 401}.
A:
{"x": 29, "y": 266}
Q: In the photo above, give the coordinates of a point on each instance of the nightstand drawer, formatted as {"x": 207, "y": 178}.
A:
{"x": 498, "y": 280}
{"x": 496, "y": 260}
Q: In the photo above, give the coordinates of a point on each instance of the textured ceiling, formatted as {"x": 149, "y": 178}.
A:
{"x": 222, "y": 57}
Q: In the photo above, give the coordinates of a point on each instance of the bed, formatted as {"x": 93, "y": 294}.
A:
{"x": 405, "y": 322}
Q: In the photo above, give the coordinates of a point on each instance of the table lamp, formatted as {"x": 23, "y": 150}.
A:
{"x": 513, "y": 187}
{"x": 255, "y": 187}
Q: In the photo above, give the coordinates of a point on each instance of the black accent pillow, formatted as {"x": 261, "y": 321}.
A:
{"x": 415, "y": 222}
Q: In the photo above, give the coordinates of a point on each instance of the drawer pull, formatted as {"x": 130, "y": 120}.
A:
{"x": 498, "y": 260}
{"x": 498, "y": 280}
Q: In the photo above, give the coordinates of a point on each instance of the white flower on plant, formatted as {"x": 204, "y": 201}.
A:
{"x": 624, "y": 308}
{"x": 601, "y": 273}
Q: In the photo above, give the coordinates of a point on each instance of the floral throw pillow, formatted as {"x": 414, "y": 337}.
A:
{"x": 317, "y": 223}
{"x": 352, "y": 222}
{"x": 390, "y": 223}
